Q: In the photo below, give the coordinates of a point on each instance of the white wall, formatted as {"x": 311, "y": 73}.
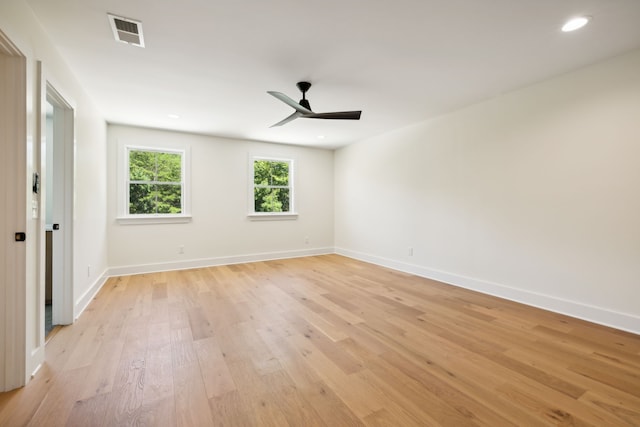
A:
{"x": 90, "y": 259}
{"x": 220, "y": 231}
{"x": 534, "y": 195}
{"x": 20, "y": 25}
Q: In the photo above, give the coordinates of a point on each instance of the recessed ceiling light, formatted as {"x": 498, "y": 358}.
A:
{"x": 575, "y": 23}
{"x": 173, "y": 116}
{"x": 320, "y": 136}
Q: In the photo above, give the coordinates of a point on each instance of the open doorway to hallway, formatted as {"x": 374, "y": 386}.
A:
{"x": 58, "y": 159}
{"x": 48, "y": 299}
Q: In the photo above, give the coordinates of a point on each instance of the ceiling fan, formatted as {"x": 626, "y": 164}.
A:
{"x": 303, "y": 109}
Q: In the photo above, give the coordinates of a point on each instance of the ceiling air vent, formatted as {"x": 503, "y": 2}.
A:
{"x": 126, "y": 30}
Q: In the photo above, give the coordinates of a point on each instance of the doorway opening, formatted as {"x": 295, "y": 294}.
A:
{"x": 48, "y": 299}
{"x": 58, "y": 168}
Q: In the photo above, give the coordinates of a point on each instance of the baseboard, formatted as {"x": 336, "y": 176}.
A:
{"x": 82, "y": 302}
{"x": 213, "y": 262}
{"x": 623, "y": 321}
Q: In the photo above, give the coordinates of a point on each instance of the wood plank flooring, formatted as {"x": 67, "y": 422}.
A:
{"x": 324, "y": 341}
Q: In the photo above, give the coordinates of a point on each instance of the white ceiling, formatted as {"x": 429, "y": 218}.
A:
{"x": 400, "y": 61}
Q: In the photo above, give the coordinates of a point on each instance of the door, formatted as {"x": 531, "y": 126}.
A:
{"x": 13, "y": 215}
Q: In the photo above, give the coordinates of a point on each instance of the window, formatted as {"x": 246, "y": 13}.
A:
{"x": 272, "y": 186}
{"x": 154, "y": 183}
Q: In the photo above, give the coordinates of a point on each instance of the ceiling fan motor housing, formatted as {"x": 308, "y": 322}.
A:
{"x": 305, "y": 104}
{"x": 304, "y": 87}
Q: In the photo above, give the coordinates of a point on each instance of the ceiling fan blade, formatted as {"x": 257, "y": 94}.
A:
{"x": 340, "y": 115}
{"x": 293, "y": 116}
{"x": 290, "y": 102}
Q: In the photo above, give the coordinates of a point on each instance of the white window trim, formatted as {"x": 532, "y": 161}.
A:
{"x": 272, "y": 216}
{"x": 124, "y": 217}
{"x": 292, "y": 214}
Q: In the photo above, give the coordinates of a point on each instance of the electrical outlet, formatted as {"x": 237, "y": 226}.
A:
{"x": 181, "y": 249}
{"x": 88, "y": 271}
{"x": 306, "y": 240}
{"x": 410, "y": 251}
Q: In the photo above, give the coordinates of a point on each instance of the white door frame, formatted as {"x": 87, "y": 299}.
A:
{"x": 13, "y": 214}
{"x": 63, "y": 203}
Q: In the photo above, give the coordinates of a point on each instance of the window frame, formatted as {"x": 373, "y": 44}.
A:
{"x": 291, "y": 213}
{"x": 124, "y": 216}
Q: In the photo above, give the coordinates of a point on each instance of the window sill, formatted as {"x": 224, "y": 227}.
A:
{"x": 272, "y": 216}
{"x": 153, "y": 219}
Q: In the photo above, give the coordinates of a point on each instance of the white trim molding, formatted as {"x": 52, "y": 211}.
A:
{"x": 213, "y": 262}
{"x": 272, "y": 216}
{"x": 623, "y": 321}
{"x": 81, "y": 303}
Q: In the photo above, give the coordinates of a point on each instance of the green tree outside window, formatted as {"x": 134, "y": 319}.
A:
{"x": 271, "y": 185}
{"x": 155, "y": 182}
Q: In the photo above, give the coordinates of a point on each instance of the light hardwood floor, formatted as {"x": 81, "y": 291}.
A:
{"x": 324, "y": 341}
